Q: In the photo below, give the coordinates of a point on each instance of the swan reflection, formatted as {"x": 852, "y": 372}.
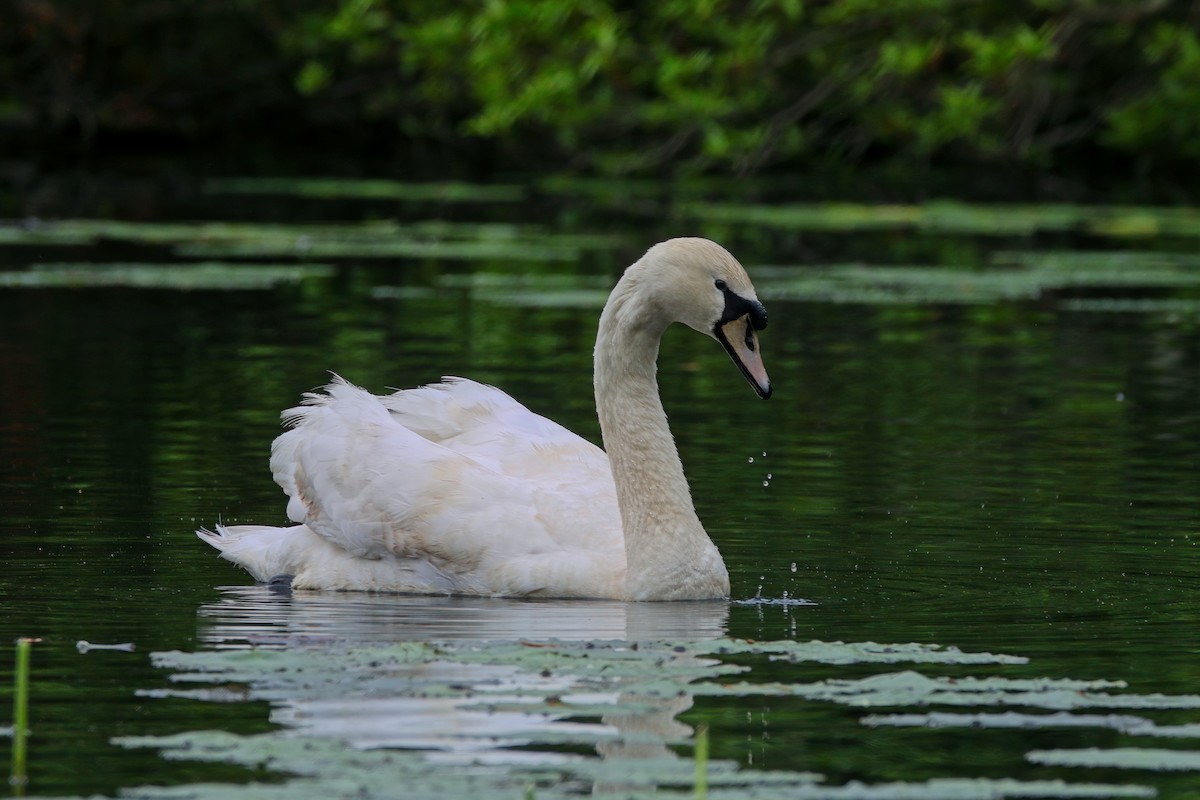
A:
{"x": 258, "y": 616}
{"x": 477, "y": 710}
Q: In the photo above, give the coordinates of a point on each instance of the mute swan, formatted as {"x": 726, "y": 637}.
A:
{"x": 455, "y": 488}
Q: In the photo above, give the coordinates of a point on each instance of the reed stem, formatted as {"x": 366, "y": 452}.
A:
{"x": 701, "y": 757}
{"x": 17, "y": 776}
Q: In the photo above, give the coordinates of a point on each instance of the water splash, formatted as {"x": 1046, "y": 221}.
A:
{"x": 784, "y": 601}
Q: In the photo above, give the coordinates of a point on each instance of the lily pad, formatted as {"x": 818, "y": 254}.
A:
{"x": 327, "y": 768}
{"x": 910, "y": 688}
{"x": 900, "y": 284}
{"x": 491, "y": 718}
{"x": 341, "y": 188}
{"x": 409, "y": 249}
{"x": 1119, "y": 758}
{"x": 428, "y": 239}
{"x": 201, "y": 276}
{"x": 856, "y": 652}
{"x": 1129, "y": 725}
{"x": 529, "y": 290}
{"x": 1116, "y": 222}
{"x": 1131, "y": 305}
{"x": 1110, "y": 260}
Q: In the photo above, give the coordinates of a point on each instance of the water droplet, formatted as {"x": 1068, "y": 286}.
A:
{"x": 769, "y": 476}
{"x": 764, "y": 453}
{"x": 793, "y": 566}
{"x": 750, "y": 460}
{"x": 766, "y": 483}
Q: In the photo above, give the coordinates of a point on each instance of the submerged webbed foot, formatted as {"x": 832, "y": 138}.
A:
{"x": 280, "y": 583}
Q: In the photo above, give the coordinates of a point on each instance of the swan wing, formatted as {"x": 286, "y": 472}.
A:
{"x": 488, "y": 426}
{"x": 490, "y": 495}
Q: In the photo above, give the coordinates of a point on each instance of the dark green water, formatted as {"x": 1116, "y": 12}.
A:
{"x": 1014, "y": 475}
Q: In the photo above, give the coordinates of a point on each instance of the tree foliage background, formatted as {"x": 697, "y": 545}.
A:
{"x": 616, "y": 86}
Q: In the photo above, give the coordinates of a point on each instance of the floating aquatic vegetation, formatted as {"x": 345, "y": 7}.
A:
{"x": 91, "y": 231}
{"x": 484, "y": 697}
{"x": 1119, "y": 222}
{"x": 910, "y": 688}
{"x": 213, "y": 275}
{"x": 1135, "y": 261}
{"x": 492, "y": 281}
{"x": 487, "y": 718}
{"x": 605, "y": 189}
{"x": 372, "y": 239}
{"x": 854, "y": 652}
{"x": 562, "y": 298}
{"x": 328, "y": 768}
{"x": 402, "y": 292}
{"x": 853, "y": 283}
{"x": 856, "y": 283}
{"x": 341, "y": 188}
{"x": 808, "y": 216}
{"x": 1123, "y": 723}
{"x": 1119, "y": 758}
{"x": 1130, "y": 305}
{"x": 324, "y": 768}
{"x": 398, "y": 248}
{"x": 35, "y": 232}
{"x": 533, "y": 290}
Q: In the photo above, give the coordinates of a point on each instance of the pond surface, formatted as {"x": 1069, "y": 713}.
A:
{"x": 984, "y": 440}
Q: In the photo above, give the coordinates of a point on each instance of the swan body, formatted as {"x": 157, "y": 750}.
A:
{"x": 456, "y": 488}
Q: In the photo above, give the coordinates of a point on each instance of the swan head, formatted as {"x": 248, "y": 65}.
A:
{"x": 697, "y": 282}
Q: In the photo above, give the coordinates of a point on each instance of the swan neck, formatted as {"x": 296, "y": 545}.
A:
{"x": 668, "y": 554}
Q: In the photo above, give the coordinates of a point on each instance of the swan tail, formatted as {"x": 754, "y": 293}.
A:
{"x": 263, "y": 551}
{"x": 313, "y": 563}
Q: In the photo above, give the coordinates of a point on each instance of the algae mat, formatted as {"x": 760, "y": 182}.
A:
{"x": 552, "y": 718}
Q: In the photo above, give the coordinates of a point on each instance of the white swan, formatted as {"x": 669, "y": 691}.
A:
{"x": 455, "y": 488}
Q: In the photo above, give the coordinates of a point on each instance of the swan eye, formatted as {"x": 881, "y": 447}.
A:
{"x": 749, "y": 335}
{"x": 720, "y": 284}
